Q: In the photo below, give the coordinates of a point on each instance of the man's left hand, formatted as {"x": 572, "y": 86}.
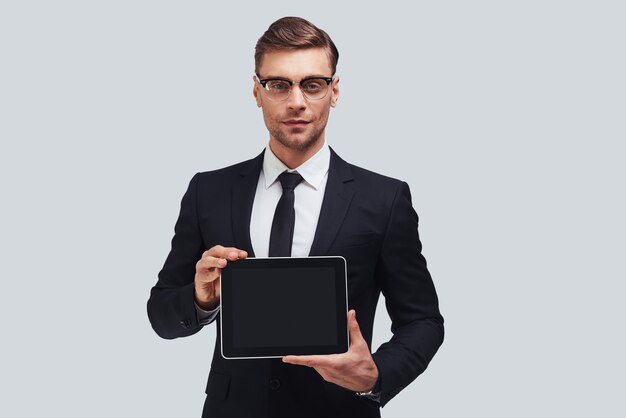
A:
{"x": 354, "y": 370}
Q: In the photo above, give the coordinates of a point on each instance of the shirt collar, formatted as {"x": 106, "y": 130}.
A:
{"x": 312, "y": 170}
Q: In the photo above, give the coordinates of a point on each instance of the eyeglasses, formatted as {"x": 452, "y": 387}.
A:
{"x": 313, "y": 88}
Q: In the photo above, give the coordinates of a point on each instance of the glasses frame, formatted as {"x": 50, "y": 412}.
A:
{"x": 263, "y": 82}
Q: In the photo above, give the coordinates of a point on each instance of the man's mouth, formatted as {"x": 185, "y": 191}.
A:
{"x": 296, "y": 123}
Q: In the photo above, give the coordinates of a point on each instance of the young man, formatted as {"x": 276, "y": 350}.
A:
{"x": 340, "y": 209}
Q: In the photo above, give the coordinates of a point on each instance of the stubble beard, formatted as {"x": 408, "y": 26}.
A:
{"x": 304, "y": 145}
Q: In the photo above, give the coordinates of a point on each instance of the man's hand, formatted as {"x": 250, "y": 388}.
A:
{"x": 354, "y": 370}
{"x": 208, "y": 270}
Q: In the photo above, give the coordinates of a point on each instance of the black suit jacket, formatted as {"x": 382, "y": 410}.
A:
{"x": 366, "y": 218}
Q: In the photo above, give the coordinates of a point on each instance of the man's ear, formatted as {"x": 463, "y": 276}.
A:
{"x": 334, "y": 92}
{"x": 256, "y": 93}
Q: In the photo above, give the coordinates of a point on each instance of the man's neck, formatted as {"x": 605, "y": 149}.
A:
{"x": 295, "y": 158}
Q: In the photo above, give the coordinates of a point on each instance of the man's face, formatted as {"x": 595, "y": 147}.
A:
{"x": 296, "y": 124}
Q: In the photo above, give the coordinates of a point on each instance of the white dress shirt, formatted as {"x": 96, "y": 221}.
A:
{"x": 308, "y": 201}
{"x": 308, "y": 204}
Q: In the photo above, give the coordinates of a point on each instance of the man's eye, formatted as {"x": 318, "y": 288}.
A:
{"x": 313, "y": 85}
{"x": 279, "y": 85}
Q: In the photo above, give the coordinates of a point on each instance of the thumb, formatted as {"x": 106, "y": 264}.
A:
{"x": 353, "y": 327}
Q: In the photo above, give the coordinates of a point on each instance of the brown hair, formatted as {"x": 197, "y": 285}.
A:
{"x": 294, "y": 33}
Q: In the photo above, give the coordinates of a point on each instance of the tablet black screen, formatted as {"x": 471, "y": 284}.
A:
{"x": 284, "y": 307}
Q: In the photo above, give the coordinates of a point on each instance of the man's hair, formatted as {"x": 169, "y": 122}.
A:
{"x": 294, "y": 33}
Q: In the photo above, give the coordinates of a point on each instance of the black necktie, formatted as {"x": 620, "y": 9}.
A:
{"x": 281, "y": 236}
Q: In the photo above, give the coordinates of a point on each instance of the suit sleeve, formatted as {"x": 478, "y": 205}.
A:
{"x": 410, "y": 298}
{"x": 171, "y": 307}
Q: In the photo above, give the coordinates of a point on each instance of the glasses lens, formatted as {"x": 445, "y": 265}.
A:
{"x": 278, "y": 89}
{"x": 314, "y": 88}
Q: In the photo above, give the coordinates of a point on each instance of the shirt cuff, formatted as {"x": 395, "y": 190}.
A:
{"x": 206, "y": 317}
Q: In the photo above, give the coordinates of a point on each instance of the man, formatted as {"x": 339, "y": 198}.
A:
{"x": 340, "y": 209}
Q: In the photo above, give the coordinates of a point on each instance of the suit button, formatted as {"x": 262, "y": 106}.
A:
{"x": 274, "y": 384}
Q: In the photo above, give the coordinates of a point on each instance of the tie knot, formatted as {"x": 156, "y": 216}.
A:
{"x": 289, "y": 180}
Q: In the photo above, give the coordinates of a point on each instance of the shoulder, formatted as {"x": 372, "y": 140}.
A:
{"x": 226, "y": 176}
{"x": 235, "y": 170}
{"x": 375, "y": 179}
{"x": 365, "y": 180}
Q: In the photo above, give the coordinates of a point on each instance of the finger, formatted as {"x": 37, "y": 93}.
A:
{"x": 353, "y": 328}
{"x": 229, "y": 253}
{"x": 298, "y": 360}
{"x": 310, "y": 361}
{"x": 216, "y": 286}
{"x": 208, "y": 262}
{"x": 214, "y": 251}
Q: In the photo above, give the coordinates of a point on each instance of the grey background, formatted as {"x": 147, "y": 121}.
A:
{"x": 506, "y": 119}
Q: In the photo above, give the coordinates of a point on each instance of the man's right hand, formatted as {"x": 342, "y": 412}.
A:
{"x": 208, "y": 270}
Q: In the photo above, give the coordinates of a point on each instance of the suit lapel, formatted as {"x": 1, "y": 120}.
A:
{"x": 242, "y": 195}
{"x": 337, "y": 198}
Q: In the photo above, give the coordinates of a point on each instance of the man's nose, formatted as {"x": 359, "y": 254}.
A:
{"x": 296, "y": 98}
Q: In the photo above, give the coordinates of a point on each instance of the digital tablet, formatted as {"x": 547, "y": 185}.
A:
{"x": 273, "y": 307}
